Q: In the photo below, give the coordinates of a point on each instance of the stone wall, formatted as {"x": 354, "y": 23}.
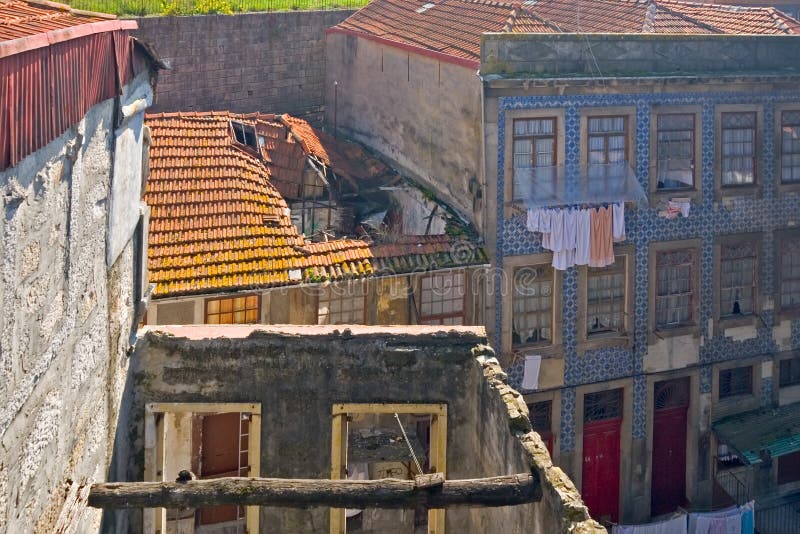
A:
{"x": 297, "y": 374}
{"x": 65, "y": 325}
{"x": 269, "y": 62}
{"x": 422, "y": 114}
{"x": 635, "y": 55}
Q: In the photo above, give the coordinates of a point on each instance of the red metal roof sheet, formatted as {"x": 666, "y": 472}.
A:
{"x": 452, "y": 28}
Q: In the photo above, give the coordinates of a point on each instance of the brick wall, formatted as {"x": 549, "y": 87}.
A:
{"x": 270, "y": 62}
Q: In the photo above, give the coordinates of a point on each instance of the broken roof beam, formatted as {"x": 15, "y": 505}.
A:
{"x": 300, "y": 493}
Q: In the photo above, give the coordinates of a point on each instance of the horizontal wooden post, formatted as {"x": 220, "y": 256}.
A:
{"x": 300, "y": 493}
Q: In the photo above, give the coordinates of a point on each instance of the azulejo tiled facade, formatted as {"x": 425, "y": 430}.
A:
{"x": 769, "y": 211}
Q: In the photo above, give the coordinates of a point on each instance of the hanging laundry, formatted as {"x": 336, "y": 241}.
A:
{"x": 727, "y": 521}
{"x": 676, "y": 207}
{"x": 564, "y": 258}
{"x": 618, "y": 212}
{"x": 583, "y": 230}
{"x": 601, "y": 247}
{"x": 530, "y": 375}
{"x": 676, "y": 525}
{"x": 556, "y": 230}
{"x": 748, "y": 518}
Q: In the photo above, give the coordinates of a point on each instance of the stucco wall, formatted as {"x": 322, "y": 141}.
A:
{"x": 64, "y": 330}
{"x": 422, "y": 114}
{"x": 269, "y": 62}
{"x": 298, "y": 373}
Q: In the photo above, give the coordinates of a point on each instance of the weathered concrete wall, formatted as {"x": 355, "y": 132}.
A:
{"x": 298, "y": 373}
{"x": 270, "y": 62}
{"x": 65, "y": 326}
{"x": 653, "y": 54}
{"x": 422, "y": 114}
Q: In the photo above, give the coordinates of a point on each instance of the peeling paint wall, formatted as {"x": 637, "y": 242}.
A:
{"x": 65, "y": 326}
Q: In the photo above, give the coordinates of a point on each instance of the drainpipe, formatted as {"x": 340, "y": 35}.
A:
{"x": 335, "y": 107}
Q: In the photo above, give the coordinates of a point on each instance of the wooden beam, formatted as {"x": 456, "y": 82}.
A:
{"x": 300, "y": 493}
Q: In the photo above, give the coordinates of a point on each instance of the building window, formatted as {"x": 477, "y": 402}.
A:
{"x": 789, "y": 272}
{"x": 541, "y": 414}
{"x": 790, "y": 147}
{"x": 790, "y": 372}
{"x": 736, "y": 381}
{"x": 605, "y": 299}
{"x": 675, "y": 288}
{"x": 738, "y": 274}
{"x": 675, "y": 147}
{"x": 532, "y": 315}
{"x": 602, "y": 405}
{"x": 342, "y": 303}
{"x": 738, "y": 148}
{"x": 607, "y": 140}
{"x": 235, "y": 310}
{"x": 534, "y": 146}
{"x": 789, "y": 468}
{"x": 442, "y": 298}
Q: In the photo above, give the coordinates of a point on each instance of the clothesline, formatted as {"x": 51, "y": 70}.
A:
{"x": 733, "y": 520}
{"x": 579, "y": 236}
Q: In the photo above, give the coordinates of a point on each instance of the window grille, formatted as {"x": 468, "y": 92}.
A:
{"x": 236, "y": 310}
{"x": 605, "y": 303}
{"x": 738, "y": 148}
{"x": 442, "y": 298}
{"x": 342, "y": 303}
{"x": 790, "y": 372}
{"x": 738, "y": 272}
{"x": 607, "y": 140}
{"x": 790, "y": 147}
{"x": 675, "y": 135}
{"x": 532, "y": 305}
{"x": 671, "y": 393}
{"x": 602, "y": 405}
{"x": 674, "y": 288}
{"x": 541, "y": 416}
{"x": 736, "y": 381}
{"x": 790, "y": 273}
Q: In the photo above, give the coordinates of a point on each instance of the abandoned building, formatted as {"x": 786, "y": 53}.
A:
{"x": 317, "y": 402}
{"x": 233, "y": 198}
{"x": 684, "y": 324}
{"x": 73, "y": 90}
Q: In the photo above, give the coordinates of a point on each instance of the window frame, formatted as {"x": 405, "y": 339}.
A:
{"x": 510, "y": 265}
{"x": 231, "y": 297}
{"x": 606, "y": 135}
{"x": 783, "y": 187}
{"x": 781, "y": 373}
{"x": 509, "y": 204}
{"x": 588, "y": 342}
{"x": 734, "y": 395}
{"x": 442, "y": 316}
{"x": 781, "y": 237}
{"x": 695, "y": 192}
{"x": 628, "y": 112}
{"x": 728, "y": 321}
{"x": 753, "y": 189}
{"x": 361, "y": 283}
{"x": 693, "y": 328}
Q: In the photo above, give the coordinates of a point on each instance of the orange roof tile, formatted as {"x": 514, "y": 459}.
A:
{"x": 453, "y": 28}
{"x": 218, "y": 223}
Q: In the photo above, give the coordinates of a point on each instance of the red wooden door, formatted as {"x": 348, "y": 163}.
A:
{"x": 668, "y": 487}
{"x": 220, "y": 458}
{"x": 601, "y": 468}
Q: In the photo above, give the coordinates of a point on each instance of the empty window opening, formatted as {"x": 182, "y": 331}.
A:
{"x": 369, "y": 444}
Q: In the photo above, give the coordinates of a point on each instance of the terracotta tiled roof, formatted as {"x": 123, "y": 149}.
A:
{"x": 217, "y": 222}
{"x": 420, "y": 253}
{"x": 454, "y": 27}
{"x": 22, "y": 19}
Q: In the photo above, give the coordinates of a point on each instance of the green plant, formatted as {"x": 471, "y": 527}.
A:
{"x": 209, "y": 7}
{"x": 170, "y": 8}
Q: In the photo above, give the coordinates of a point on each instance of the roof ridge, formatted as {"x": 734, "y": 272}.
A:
{"x": 780, "y": 18}
{"x": 722, "y": 7}
{"x": 550, "y": 24}
{"x": 686, "y": 17}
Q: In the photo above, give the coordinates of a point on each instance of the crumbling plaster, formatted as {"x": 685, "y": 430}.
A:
{"x": 297, "y": 373}
{"x": 65, "y": 324}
